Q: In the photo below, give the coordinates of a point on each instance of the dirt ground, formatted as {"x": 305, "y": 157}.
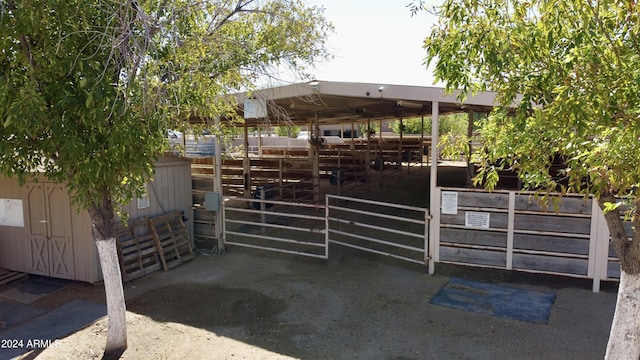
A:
{"x": 252, "y": 304}
{"x": 248, "y": 304}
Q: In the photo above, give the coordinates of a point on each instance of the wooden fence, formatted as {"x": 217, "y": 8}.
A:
{"x": 511, "y": 230}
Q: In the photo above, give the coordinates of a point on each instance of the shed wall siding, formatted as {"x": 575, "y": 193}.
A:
{"x": 13, "y": 247}
{"x": 171, "y": 190}
{"x": 15, "y": 250}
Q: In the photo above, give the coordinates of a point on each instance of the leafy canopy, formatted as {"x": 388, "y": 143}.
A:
{"x": 570, "y": 69}
{"x": 453, "y": 124}
{"x": 88, "y": 88}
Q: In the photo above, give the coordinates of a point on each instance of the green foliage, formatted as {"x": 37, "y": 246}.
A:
{"x": 455, "y": 124}
{"x": 362, "y": 128}
{"x": 569, "y": 67}
{"x": 88, "y": 88}
{"x": 288, "y": 131}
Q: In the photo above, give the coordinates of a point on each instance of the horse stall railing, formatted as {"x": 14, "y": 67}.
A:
{"x": 344, "y": 168}
{"x": 292, "y": 176}
{"x": 295, "y": 179}
{"x": 286, "y": 227}
{"x": 512, "y": 230}
{"x": 390, "y": 157}
{"x": 297, "y": 191}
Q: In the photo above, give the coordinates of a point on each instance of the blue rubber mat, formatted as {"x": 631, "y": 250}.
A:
{"x": 501, "y": 301}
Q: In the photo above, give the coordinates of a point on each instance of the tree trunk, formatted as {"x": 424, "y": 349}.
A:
{"x": 624, "y": 338}
{"x": 103, "y": 231}
{"x": 116, "y": 307}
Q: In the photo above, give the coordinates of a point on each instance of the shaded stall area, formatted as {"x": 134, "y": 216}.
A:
{"x": 488, "y": 229}
{"x": 305, "y": 170}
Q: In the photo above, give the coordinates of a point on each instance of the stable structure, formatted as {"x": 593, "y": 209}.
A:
{"x": 319, "y": 104}
{"x": 326, "y": 102}
{"x": 42, "y": 233}
{"x": 507, "y": 230}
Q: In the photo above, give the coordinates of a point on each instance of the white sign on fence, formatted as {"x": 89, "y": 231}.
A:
{"x": 477, "y": 219}
{"x": 449, "y": 202}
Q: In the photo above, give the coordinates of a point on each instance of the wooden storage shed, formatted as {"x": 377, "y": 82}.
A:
{"x": 42, "y": 233}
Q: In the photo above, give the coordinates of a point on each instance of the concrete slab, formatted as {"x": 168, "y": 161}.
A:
{"x": 45, "y": 330}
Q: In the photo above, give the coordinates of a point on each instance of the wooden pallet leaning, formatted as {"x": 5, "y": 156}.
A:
{"x": 7, "y": 276}
{"x": 137, "y": 250}
{"x": 171, "y": 237}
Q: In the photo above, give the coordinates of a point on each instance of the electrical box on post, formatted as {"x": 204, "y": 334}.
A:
{"x": 212, "y": 201}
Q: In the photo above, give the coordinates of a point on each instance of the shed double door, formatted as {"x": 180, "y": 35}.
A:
{"x": 50, "y": 230}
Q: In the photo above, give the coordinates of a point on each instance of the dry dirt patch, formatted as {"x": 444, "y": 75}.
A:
{"x": 254, "y": 305}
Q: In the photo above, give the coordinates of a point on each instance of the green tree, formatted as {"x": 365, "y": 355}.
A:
{"x": 89, "y": 87}
{"x": 453, "y": 124}
{"x": 288, "y": 131}
{"x": 570, "y": 69}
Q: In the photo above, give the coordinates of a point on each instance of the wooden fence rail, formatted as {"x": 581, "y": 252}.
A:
{"x": 512, "y": 230}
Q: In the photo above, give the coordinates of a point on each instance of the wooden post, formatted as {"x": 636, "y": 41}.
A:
{"x": 339, "y": 171}
{"x": 281, "y": 177}
{"x": 246, "y": 164}
{"x": 470, "y": 169}
{"x": 367, "y": 155}
{"x": 353, "y": 130}
{"x": 421, "y": 147}
{"x": 310, "y": 132}
{"x": 434, "y": 202}
{"x": 217, "y": 184}
{"x": 510, "y": 229}
{"x": 316, "y": 160}
{"x": 598, "y": 246}
{"x": 400, "y": 148}
{"x": 434, "y": 230}
{"x": 259, "y": 141}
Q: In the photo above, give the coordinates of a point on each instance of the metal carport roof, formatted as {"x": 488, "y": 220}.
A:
{"x": 339, "y": 102}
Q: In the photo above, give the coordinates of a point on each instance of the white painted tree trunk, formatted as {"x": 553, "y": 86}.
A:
{"x": 116, "y": 308}
{"x": 624, "y": 338}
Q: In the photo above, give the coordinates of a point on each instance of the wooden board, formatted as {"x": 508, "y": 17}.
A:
{"x": 613, "y": 270}
{"x": 572, "y": 205}
{"x": 546, "y": 243}
{"x": 559, "y": 224}
{"x": 483, "y": 199}
{"x": 172, "y": 240}
{"x": 151, "y": 244}
{"x": 480, "y": 238}
{"x": 563, "y": 265}
{"x": 137, "y": 250}
{"x": 7, "y": 276}
{"x": 473, "y": 256}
